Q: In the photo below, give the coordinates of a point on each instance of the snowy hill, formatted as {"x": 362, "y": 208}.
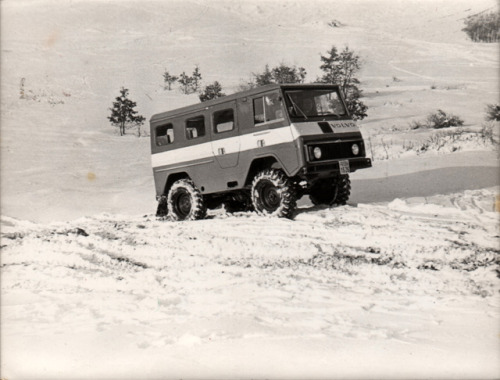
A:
{"x": 400, "y": 283}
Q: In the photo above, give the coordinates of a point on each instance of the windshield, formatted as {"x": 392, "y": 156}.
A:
{"x": 314, "y": 103}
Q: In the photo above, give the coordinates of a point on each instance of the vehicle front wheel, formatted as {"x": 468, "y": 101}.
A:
{"x": 185, "y": 201}
{"x": 273, "y": 193}
{"x": 162, "y": 209}
{"x": 331, "y": 191}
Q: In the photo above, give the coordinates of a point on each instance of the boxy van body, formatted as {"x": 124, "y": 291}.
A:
{"x": 259, "y": 149}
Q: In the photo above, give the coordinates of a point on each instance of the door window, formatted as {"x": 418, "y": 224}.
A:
{"x": 164, "y": 134}
{"x": 224, "y": 121}
{"x": 195, "y": 127}
{"x": 267, "y": 108}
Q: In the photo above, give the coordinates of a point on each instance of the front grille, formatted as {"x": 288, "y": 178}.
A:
{"x": 335, "y": 150}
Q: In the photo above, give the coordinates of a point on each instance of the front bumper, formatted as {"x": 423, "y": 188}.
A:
{"x": 332, "y": 167}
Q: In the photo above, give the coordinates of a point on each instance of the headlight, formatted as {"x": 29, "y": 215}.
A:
{"x": 355, "y": 149}
{"x": 317, "y": 152}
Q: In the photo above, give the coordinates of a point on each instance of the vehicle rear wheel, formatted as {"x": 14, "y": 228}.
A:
{"x": 185, "y": 201}
{"x": 331, "y": 191}
{"x": 273, "y": 193}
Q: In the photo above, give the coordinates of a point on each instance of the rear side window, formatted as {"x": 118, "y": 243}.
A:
{"x": 164, "y": 134}
{"x": 267, "y": 108}
{"x": 223, "y": 121}
{"x": 195, "y": 127}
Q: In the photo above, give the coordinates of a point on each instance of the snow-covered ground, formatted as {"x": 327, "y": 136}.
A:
{"x": 404, "y": 289}
{"x": 403, "y": 282}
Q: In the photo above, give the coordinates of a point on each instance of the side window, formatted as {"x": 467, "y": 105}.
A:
{"x": 267, "y": 108}
{"x": 164, "y": 134}
{"x": 258, "y": 111}
{"x": 195, "y": 127}
{"x": 223, "y": 121}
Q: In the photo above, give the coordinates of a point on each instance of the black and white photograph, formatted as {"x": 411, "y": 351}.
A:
{"x": 249, "y": 189}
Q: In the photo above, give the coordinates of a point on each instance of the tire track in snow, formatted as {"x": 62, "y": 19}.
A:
{"x": 259, "y": 267}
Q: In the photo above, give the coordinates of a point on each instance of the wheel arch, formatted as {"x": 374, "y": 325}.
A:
{"x": 172, "y": 178}
{"x": 262, "y": 163}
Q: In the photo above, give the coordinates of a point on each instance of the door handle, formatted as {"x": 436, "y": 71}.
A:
{"x": 222, "y": 151}
{"x": 261, "y": 143}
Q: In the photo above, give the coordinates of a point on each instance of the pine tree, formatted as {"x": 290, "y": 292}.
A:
{"x": 302, "y": 74}
{"x": 123, "y": 114}
{"x": 493, "y": 112}
{"x": 483, "y": 27}
{"x": 331, "y": 74}
{"x": 341, "y": 68}
{"x": 288, "y": 74}
{"x": 21, "y": 89}
{"x": 263, "y": 78}
{"x": 357, "y": 109}
{"x": 169, "y": 80}
{"x": 212, "y": 91}
{"x": 196, "y": 83}
{"x": 190, "y": 84}
{"x": 186, "y": 83}
{"x": 280, "y": 74}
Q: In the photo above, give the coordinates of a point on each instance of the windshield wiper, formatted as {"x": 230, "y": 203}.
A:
{"x": 296, "y": 107}
{"x": 337, "y": 115}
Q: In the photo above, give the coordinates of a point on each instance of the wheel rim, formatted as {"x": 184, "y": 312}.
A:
{"x": 270, "y": 197}
{"x": 182, "y": 204}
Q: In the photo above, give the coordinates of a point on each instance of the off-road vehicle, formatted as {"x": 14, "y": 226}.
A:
{"x": 260, "y": 149}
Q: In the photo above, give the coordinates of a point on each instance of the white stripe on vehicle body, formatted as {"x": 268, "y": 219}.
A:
{"x": 177, "y": 156}
{"x": 248, "y": 141}
{"x": 204, "y": 150}
{"x": 273, "y": 137}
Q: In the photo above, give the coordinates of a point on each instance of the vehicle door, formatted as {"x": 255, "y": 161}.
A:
{"x": 225, "y": 134}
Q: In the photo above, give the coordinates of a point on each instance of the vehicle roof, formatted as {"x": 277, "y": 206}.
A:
{"x": 237, "y": 95}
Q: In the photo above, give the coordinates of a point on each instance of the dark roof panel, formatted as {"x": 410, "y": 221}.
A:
{"x": 223, "y": 99}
